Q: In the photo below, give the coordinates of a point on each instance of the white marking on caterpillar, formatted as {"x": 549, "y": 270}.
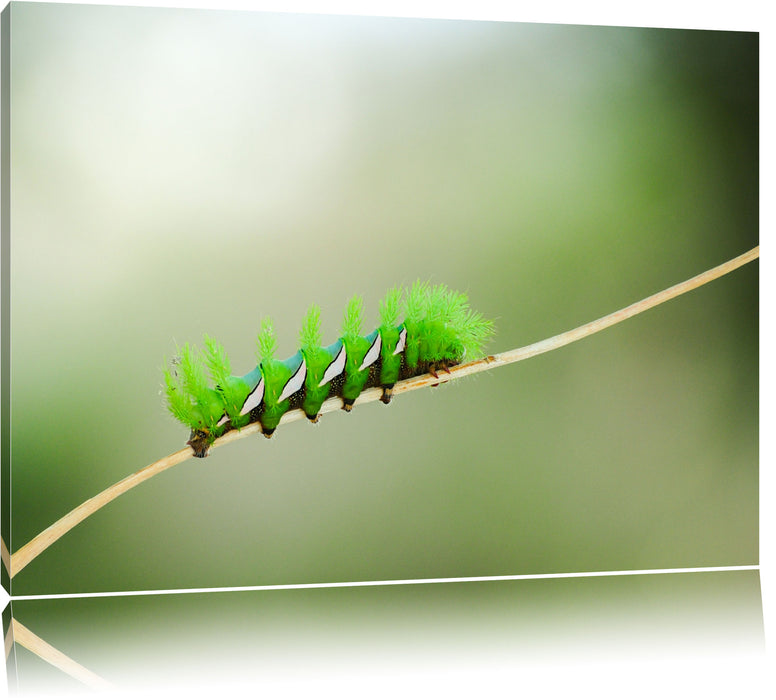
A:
{"x": 402, "y": 343}
{"x": 335, "y": 368}
{"x": 222, "y": 420}
{"x": 372, "y": 354}
{"x": 295, "y": 383}
{"x": 254, "y": 398}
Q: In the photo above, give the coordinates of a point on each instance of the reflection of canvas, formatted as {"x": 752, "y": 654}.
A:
{"x": 176, "y": 174}
{"x": 603, "y": 629}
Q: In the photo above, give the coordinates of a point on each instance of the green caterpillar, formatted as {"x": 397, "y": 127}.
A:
{"x": 439, "y": 330}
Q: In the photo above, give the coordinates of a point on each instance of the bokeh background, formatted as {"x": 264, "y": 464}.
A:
{"x": 176, "y": 173}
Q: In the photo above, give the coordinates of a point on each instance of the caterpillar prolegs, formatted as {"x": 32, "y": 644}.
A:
{"x": 439, "y": 330}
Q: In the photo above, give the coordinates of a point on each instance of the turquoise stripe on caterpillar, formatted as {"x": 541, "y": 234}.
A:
{"x": 439, "y": 330}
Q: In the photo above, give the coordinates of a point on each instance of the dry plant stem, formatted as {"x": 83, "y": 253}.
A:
{"x": 32, "y": 549}
{"x": 5, "y": 555}
{"x": 33, "y": 643}
{"x": 51, "y": 534}
{"x": 8, "y": 641}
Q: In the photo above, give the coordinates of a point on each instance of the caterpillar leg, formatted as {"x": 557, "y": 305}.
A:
{"x": 199, "y": 441}
{"x": 441, "y": 366}
{"x": 347, "y": 404}
{"x": 313, "y": 419}
{"x": 387, "y": 394}
{"x": 267, "y": 432}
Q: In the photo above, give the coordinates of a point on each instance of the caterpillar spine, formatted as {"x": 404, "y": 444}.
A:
{"x": 439, "y": 330}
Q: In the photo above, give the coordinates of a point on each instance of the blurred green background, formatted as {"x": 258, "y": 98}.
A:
{"x": 176, "y": 173}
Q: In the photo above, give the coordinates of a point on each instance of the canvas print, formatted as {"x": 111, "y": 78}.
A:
{"x": 215, "y": 219}
{"x": 308, "y": 307}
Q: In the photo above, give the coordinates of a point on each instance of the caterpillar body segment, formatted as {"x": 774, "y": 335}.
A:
{"x": 390, "y": 362}
{"x": 439, "y": 330}
{"x": 357, "y": 366}
{"x": 323, "y": 371}
{"x": 254, "y": 381}
{"x": 283, "y": 383}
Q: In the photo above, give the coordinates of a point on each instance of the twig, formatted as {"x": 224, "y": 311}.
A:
{"x": 40, "y": 542}
{"x": 8, "y": 642}
{"x": 33, "y": 643}
{"x": 51, "y": 534}
{"x": 5, "y": 555}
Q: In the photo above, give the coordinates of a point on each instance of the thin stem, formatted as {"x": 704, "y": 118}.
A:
{"x": 32, "y": 642}
{"x": 40, "y": 542}
{"x": 51, "y": 534}
{"x": 5, "y": 555}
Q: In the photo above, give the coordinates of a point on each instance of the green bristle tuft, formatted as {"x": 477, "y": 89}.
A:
{"x": 389, "y": 307}
{"x": 415, "y": 303}
{"x": 179, "y": 401}
{"x": 310, "y": 335}
{"x": 476, "y": 331}
{"x": 438, "y": 303}
{"x": 221, "y": 373}
{"x": 217, "y": 361}
{"x": 352, "y": 322}
{"x": 187, "y": 388}
{"x": 193, "y": 374}
{"x": 267, "y": 342}
{"x": 457, "y": 305}
{"x": 454, "y": 309}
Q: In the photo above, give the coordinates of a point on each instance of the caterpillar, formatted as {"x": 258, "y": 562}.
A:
{"x": 439, "y": 330}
